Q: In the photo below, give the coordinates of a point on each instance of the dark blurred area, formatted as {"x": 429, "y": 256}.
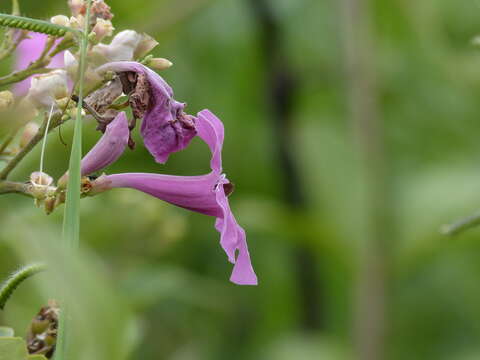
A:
{"x": 284, "y": 76}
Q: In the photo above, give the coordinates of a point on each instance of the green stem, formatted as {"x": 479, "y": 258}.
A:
{"x": 15, "y": 8}
{"x": 71, "y": 224}
{"x": 39, "y": 66}
{"x": 461, "y": 225}
{"x": 7, "y": 141}
{"x": 16, "y": 279}
{"x": 10, "y": 187}
{"x": 23, "y": 74}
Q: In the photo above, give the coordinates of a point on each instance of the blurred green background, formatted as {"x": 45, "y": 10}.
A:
{"x": 294, "y": 161}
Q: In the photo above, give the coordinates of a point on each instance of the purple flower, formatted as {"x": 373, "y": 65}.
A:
{"x": 110, "y": 146}
{"x": 206, "y": 194}
{"x": 165, "y": 128}
{"x": 107, "y": 150}
{"x": 28, "y": 51}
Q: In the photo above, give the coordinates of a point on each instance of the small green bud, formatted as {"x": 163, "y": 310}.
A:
{"x": 6, "y": 100}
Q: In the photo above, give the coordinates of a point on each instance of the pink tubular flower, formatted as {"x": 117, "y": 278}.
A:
{"x": 107, "y": 150}
{"x": 165, "y": 127}
{"x": 110, "y": 146}
{"x": 206, "y": 194}
{"x": 28, "y": 51}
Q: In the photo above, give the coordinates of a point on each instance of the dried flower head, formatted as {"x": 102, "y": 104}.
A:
{"x": 165, "y": 127}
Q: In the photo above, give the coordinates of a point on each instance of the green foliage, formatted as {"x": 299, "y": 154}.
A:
{"x": 16, "y": 279}
{"x": 71, "y": 222}
{"x": 44, "y": 27}
{"x": 14, "y": 348}
{"x": 6, "y": 331}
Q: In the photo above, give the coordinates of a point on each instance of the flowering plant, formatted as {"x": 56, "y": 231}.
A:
{"x": 71, "y": 68}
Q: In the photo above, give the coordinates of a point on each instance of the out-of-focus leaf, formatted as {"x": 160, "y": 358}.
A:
{"x": 149, "y": 285}
{"x": 6, "y": 331}
{"x": 12, "y": 348}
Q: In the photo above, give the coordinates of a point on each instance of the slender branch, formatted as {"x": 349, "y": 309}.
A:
{"x": 10, "y": 187}
{"x": 56, "y": 121}
{"x": 9, "y": 45}
{"x": 23, "y": 74}
{"x": 7, "y": 141}
{"x": 461, "y": 225}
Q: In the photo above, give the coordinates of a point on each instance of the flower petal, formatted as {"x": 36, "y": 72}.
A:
{"x": 165, "y": 128}
{"x": 110, "y": 146}
{"x": 210, "y": 129}
{"x": 205, "y": 194}
{"x": 190, "y": 192}
{"x": 233, "y": 239}
{"x": 28, "y": 51}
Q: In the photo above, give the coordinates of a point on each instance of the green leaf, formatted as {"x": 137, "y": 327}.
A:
{"x": 12, "y": 348}
{"x": 71, "y": 220}
{"x": 15, "y": 348}
{"x": 6, "y": 332}
{"x": 40, "y": 26}
{"x": 9, "y": 286}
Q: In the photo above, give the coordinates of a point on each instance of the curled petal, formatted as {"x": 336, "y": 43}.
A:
{"x": 210, "y": 129}
{"x": 165, "y": 128}
{"x": 233, "y": 239}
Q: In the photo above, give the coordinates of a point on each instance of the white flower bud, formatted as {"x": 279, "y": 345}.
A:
{"x": 46, "y": 88}
{"x": 61, "y": 20}
{"x": 77, "y": 22}
{"x": 159, "y": 63}
{"x": 29, "y": 131}
{"x": 6, "y": 100}
{"x": 103, "y": 28}
{"x": 76, "y": 6}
